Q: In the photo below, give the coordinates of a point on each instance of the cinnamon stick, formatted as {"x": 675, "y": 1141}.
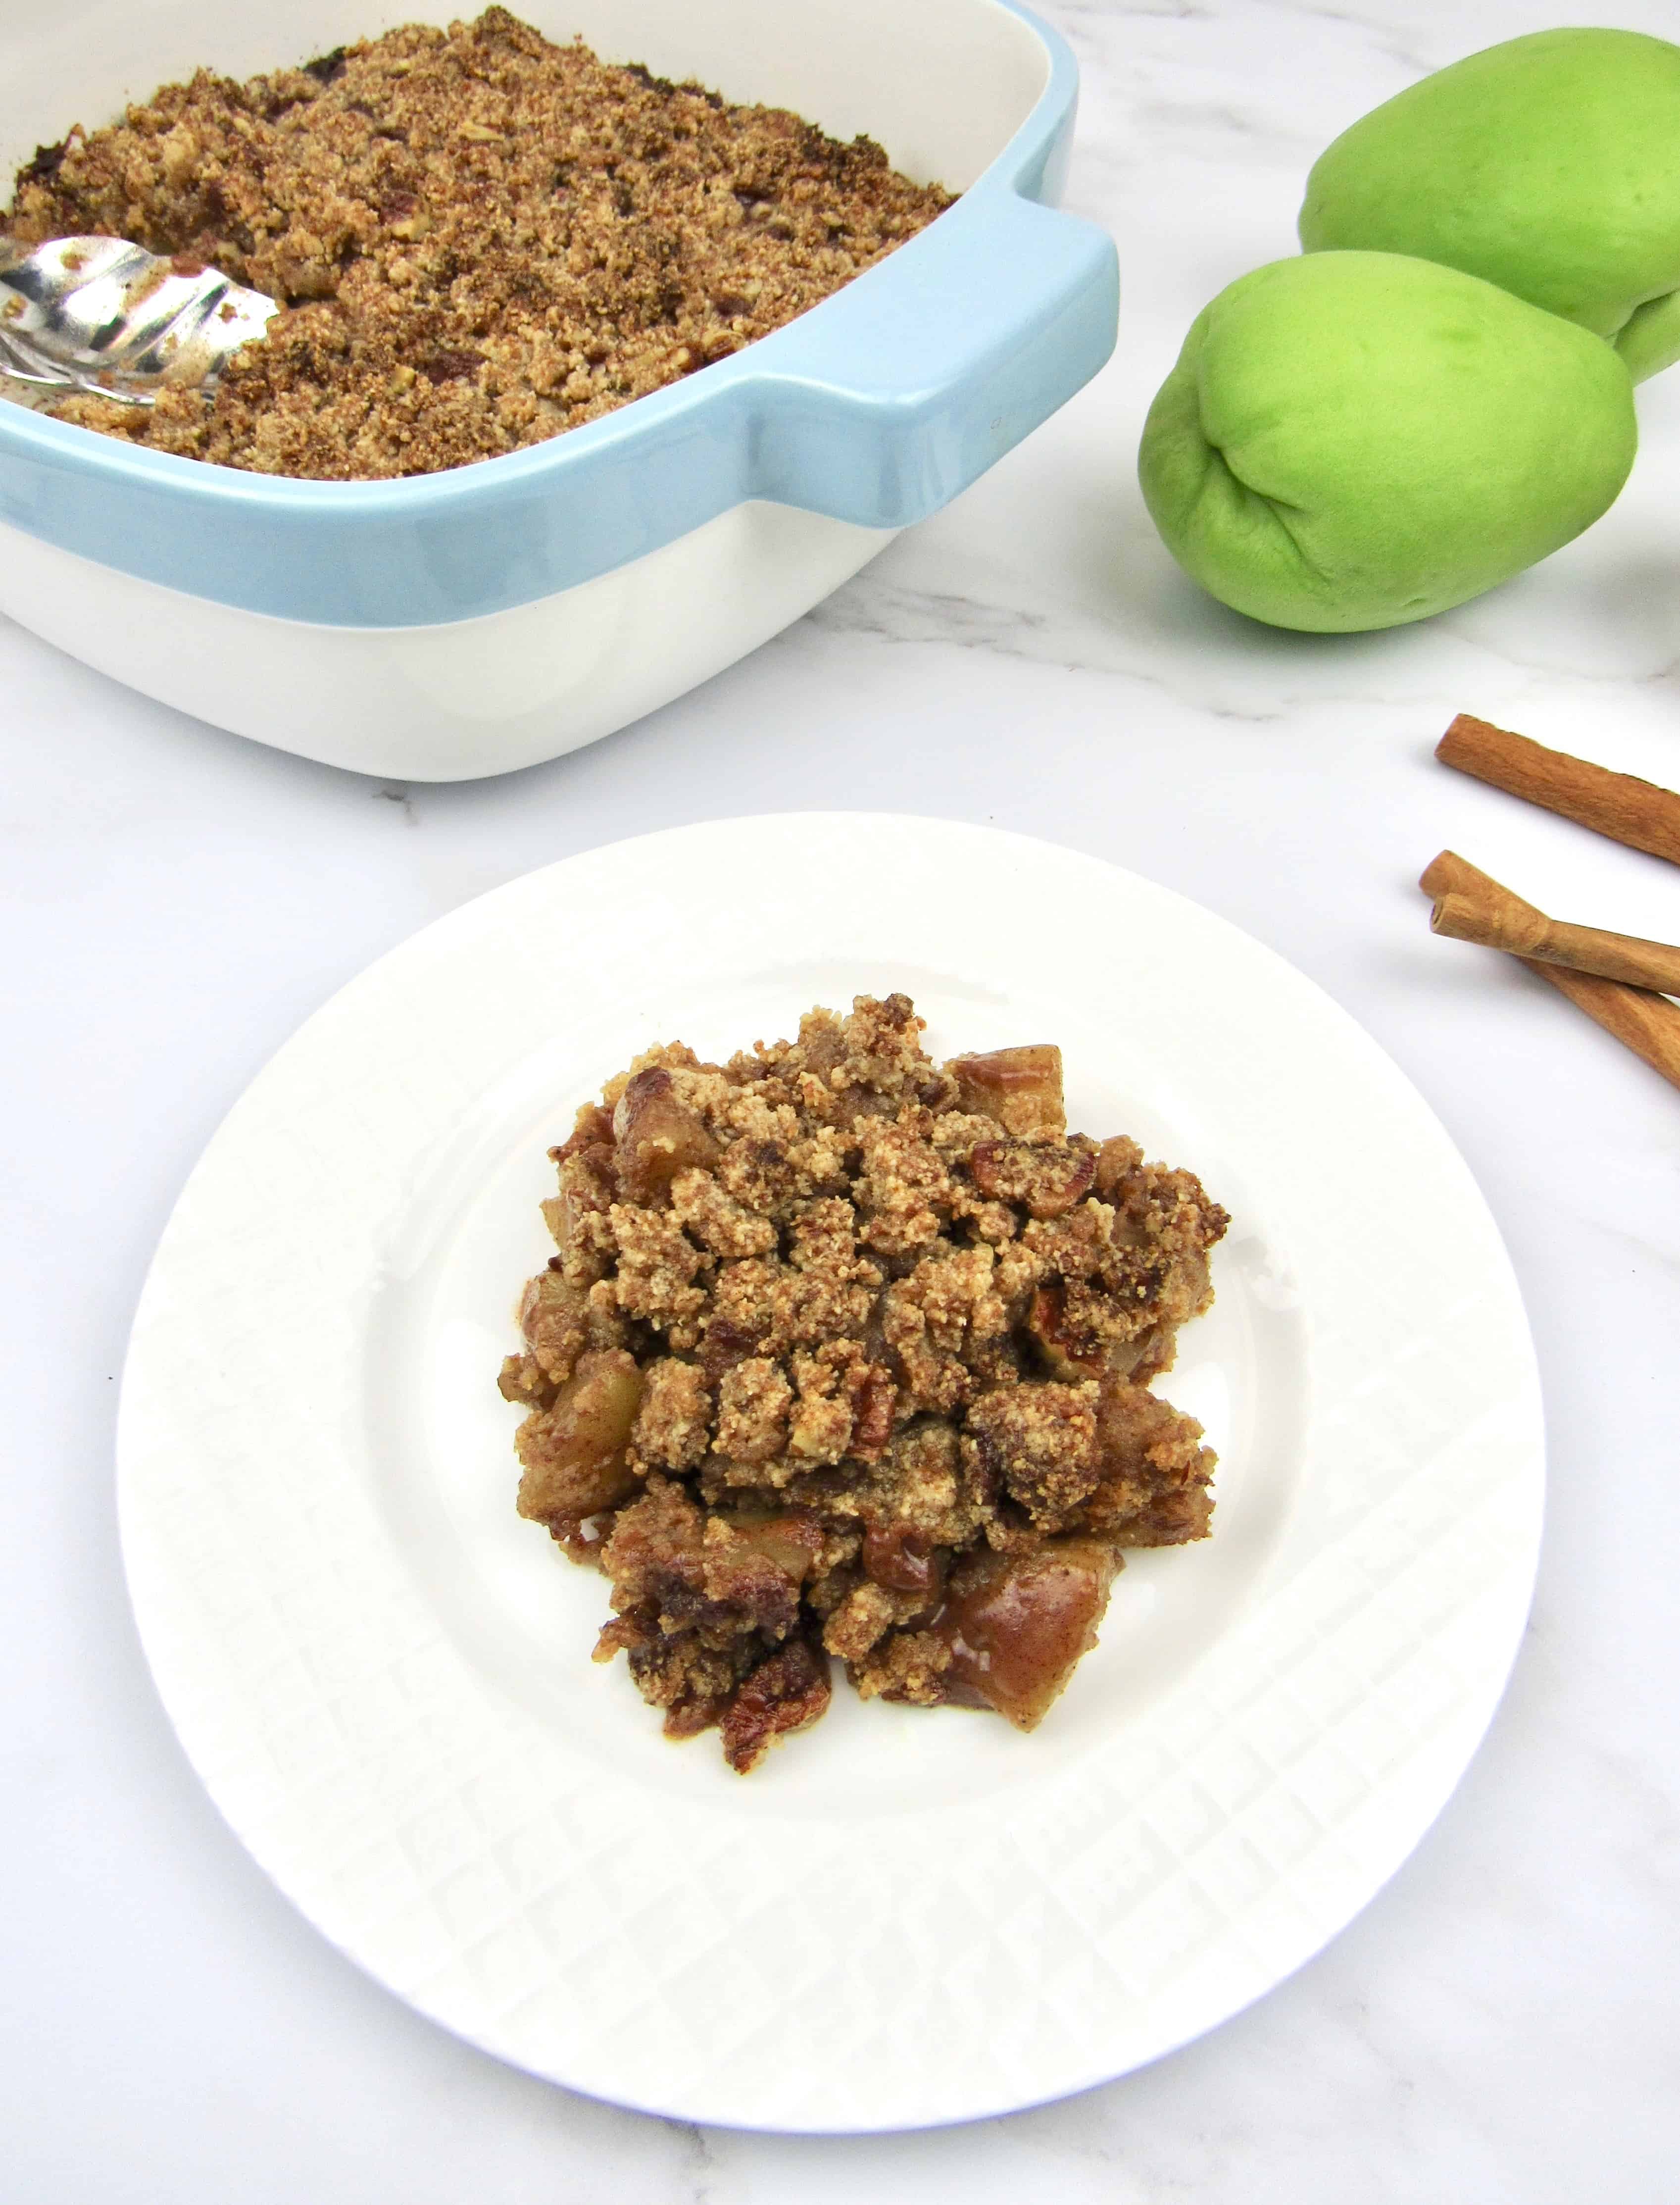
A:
{"x": 1627, "y": 810}
{"x": 1624, "y": 957}
{"x": 1646, "y": 1023}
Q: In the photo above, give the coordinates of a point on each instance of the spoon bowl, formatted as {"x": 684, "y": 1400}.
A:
{"x": 101, "y": 315}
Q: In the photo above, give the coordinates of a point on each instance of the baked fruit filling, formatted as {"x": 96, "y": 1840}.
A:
{"x": 846, "y": 1353}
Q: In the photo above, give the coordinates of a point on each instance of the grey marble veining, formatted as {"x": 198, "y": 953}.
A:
{"x": 1500, "y": 2026}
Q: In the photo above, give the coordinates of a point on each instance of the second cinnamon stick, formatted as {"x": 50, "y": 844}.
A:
{"x": 1648, "y": 1024}
{"x": 1622, "y": 957}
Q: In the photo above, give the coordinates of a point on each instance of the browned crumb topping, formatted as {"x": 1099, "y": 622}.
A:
{"x": 845, "y": 1352}
{"x": 479, "y": 240}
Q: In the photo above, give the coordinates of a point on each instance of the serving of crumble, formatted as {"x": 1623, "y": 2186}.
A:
{"x": 846, "y": 1353}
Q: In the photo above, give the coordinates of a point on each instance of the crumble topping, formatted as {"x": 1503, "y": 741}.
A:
{"x": 477, "y": 238}
{"x": 846, "y": 1353}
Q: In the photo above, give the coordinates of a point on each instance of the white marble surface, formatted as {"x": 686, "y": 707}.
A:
{"x": 1501, "y": 2025}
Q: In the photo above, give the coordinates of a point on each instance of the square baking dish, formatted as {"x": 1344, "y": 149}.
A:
{"x": 453, "y": 625}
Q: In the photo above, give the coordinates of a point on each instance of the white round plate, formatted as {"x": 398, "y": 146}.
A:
{"x": 906, "y": 1917}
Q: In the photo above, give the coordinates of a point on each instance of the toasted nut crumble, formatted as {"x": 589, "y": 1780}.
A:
{"x": 478, "y": 239}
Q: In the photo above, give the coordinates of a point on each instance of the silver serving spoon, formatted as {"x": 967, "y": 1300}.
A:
{"x": 100, "y": 314}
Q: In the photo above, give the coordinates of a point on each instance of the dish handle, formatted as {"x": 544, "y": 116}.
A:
{"x": 903, "y": 388}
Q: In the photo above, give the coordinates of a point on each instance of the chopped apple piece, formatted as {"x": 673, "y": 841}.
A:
{"x": 658, "y": 1136}
{"x": 1021, "y": 1088}
{"x": 574, "y": 1453}
{"x": 1018, "y": 1624}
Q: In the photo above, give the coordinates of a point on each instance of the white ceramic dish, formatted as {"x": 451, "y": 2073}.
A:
{"x": 468, "y": 623}
{"x": 449, "y": 700}
{"x": 904, "y": 1917}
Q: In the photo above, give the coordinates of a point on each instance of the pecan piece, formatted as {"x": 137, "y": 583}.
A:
{"x": 1042, "y": 1441}
{"x": 1047, "y": 1181}
{"x": 787, "y": 1692}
